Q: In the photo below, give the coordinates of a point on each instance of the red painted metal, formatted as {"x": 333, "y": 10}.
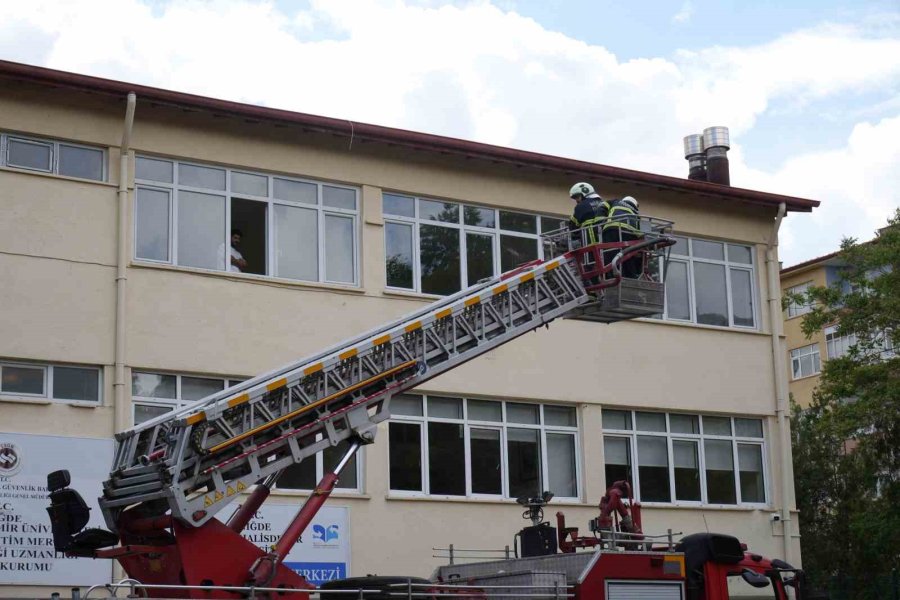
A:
{"x": 625, "y": 566}
{"x": 265, "y": 567}
{"x": 212, "y": 554}
{"x": 245, "y": 511}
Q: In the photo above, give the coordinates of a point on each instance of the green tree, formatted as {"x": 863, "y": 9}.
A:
{"x": 846, "y": 445}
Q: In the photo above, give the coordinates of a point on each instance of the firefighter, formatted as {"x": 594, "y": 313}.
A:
{"x": 623, "y": 225}
{"x": 589, "y": 210}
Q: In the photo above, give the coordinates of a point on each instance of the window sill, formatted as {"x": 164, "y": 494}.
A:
{"x": 48, "y": 401}
{"x": 718, "y": 507}
{"x": 478, "y": 500}
{"x": 305, "y": 493}
{"x": 106, "y": 184}
{"x": 25, "y": 400}
{"x": 744, "y": 330}
{"x": 807, "y": 377}
{"x": 251, "y": 278}
{"x": 410, "y": 295}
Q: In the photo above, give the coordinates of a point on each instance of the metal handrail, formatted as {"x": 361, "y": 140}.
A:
{"x": 133, "y": 585}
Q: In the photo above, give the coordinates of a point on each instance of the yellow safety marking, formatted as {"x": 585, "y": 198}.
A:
{"x": 238, "y": 400}
{"x": 413, "y": 326}
{"x": 678, "y": 559}
{"x": 230, "y": 491}
{"x": 381, "y": 340}
{"x": 310, "y": 406}
{"x": 313, "y": 369}
{"x": 276, "y": 384}
{"x": 526, "y": 277}
{"x": 240, "y": 486}
{"x": 193, "y": 419}
{"x": 348, "y": 354}
{"x": 207, "y": 501}
{"x": 474, "y": 300}
{"x": 552, "y": 266}
{"x": 218, "y": 496}
{"x": 500, "y": 289}
{"x": 444, "y": 313}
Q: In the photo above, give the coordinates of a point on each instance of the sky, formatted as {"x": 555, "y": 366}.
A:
{"x": 810, "y": 89}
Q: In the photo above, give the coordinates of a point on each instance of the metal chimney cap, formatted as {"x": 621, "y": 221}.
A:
{"x": 693, "y": 145}
{"x": 716, "y": 137}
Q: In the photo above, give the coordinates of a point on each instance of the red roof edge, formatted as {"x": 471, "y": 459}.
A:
{"x": 809, "y": 263}
{"x": 390, "y": 135}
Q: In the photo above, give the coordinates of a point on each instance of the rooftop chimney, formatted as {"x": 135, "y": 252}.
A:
{"x": 716, "y": 144}
{"x": 693, "y": 152}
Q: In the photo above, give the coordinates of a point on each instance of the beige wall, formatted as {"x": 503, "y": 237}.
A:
{"x": 802, "y": 389}
{"x": 57, "y": 255}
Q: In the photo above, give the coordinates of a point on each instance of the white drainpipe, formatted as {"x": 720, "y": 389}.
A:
{"x": 122, "y": 417}
{"x": 781, "y": 387}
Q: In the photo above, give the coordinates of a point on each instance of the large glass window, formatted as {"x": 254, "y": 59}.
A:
{"x": 62, "y": 383}
{"x": 795, "y": 308}
{"x": 805, "y": 361}
{"x": 444, "y": 446}
{"x": 438, "y": 247}
{"x": 711, "y": 283}
{"x": 686, "y": 459}
{"x": 223, "y": 219}
{"x": 52, "y": 156}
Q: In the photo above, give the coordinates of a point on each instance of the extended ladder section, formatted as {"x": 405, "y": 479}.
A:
{"x": 196, "y": 460}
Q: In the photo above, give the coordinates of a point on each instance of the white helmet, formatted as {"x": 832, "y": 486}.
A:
{"x": 580, "y": 189}
{"x": 630, "y": 201}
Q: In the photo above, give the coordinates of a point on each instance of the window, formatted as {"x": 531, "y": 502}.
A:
{"x": 795, "y": 309}
{"x": 838, "y": 346}
{"x": 437, "y": 247}
{"x": 805, "y": 361}
{"x": 62, "y": 383}
{"x": 50, "y": 156}
{"x": 305, "y": 475}
{"x": 711, "y": 283}
{"x": 154, "y": 394}
{"x": 686, "y": 459}
{"x": 450, "y": 446}
{"x": 222, "y": 219}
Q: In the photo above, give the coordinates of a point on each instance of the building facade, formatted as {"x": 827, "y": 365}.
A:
{"x": 120, "y": 302}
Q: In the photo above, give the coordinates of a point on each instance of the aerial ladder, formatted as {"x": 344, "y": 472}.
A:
{"x": 172, "y": 475}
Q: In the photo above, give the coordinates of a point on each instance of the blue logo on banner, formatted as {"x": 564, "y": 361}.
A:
{"x": 325, "y": 535}
{"x": 318, "y": 572}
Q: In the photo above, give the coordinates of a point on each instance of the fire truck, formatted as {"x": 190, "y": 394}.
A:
{"x": 171, "y": 476}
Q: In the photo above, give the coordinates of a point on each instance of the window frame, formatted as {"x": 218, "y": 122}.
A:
{"x": 799, "y": 356}
{"x": 175, "y": 188}
{"x": 690, "y": 260}
{"x": 48, "y": 381}
{"x": 502, "y": 426}
{"x": 795, "y": 310}
{"x": 460, "y": 225}
{"x": 634, "y": 433}
{"x": 54, "y": 146}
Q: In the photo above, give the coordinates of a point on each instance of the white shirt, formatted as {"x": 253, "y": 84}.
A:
{"x": 237, "y": 255}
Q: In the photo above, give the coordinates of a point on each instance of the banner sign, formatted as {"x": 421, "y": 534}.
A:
{"x": 323, "y": 552}
{"x": 26, "y": 540}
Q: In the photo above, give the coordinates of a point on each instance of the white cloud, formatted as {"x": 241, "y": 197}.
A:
{"x": 477, "y": 71}
{"x": 684, "y": 14}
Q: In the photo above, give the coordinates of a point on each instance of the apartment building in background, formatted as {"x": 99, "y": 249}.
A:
{"x": 807, "y": 355}
{"x": 118, "y": 304}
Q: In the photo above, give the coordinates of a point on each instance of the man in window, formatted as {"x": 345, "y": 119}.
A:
{"x": 236, "y": 259}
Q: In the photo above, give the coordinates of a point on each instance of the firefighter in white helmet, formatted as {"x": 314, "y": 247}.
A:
{"x": 589, "y": 210}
